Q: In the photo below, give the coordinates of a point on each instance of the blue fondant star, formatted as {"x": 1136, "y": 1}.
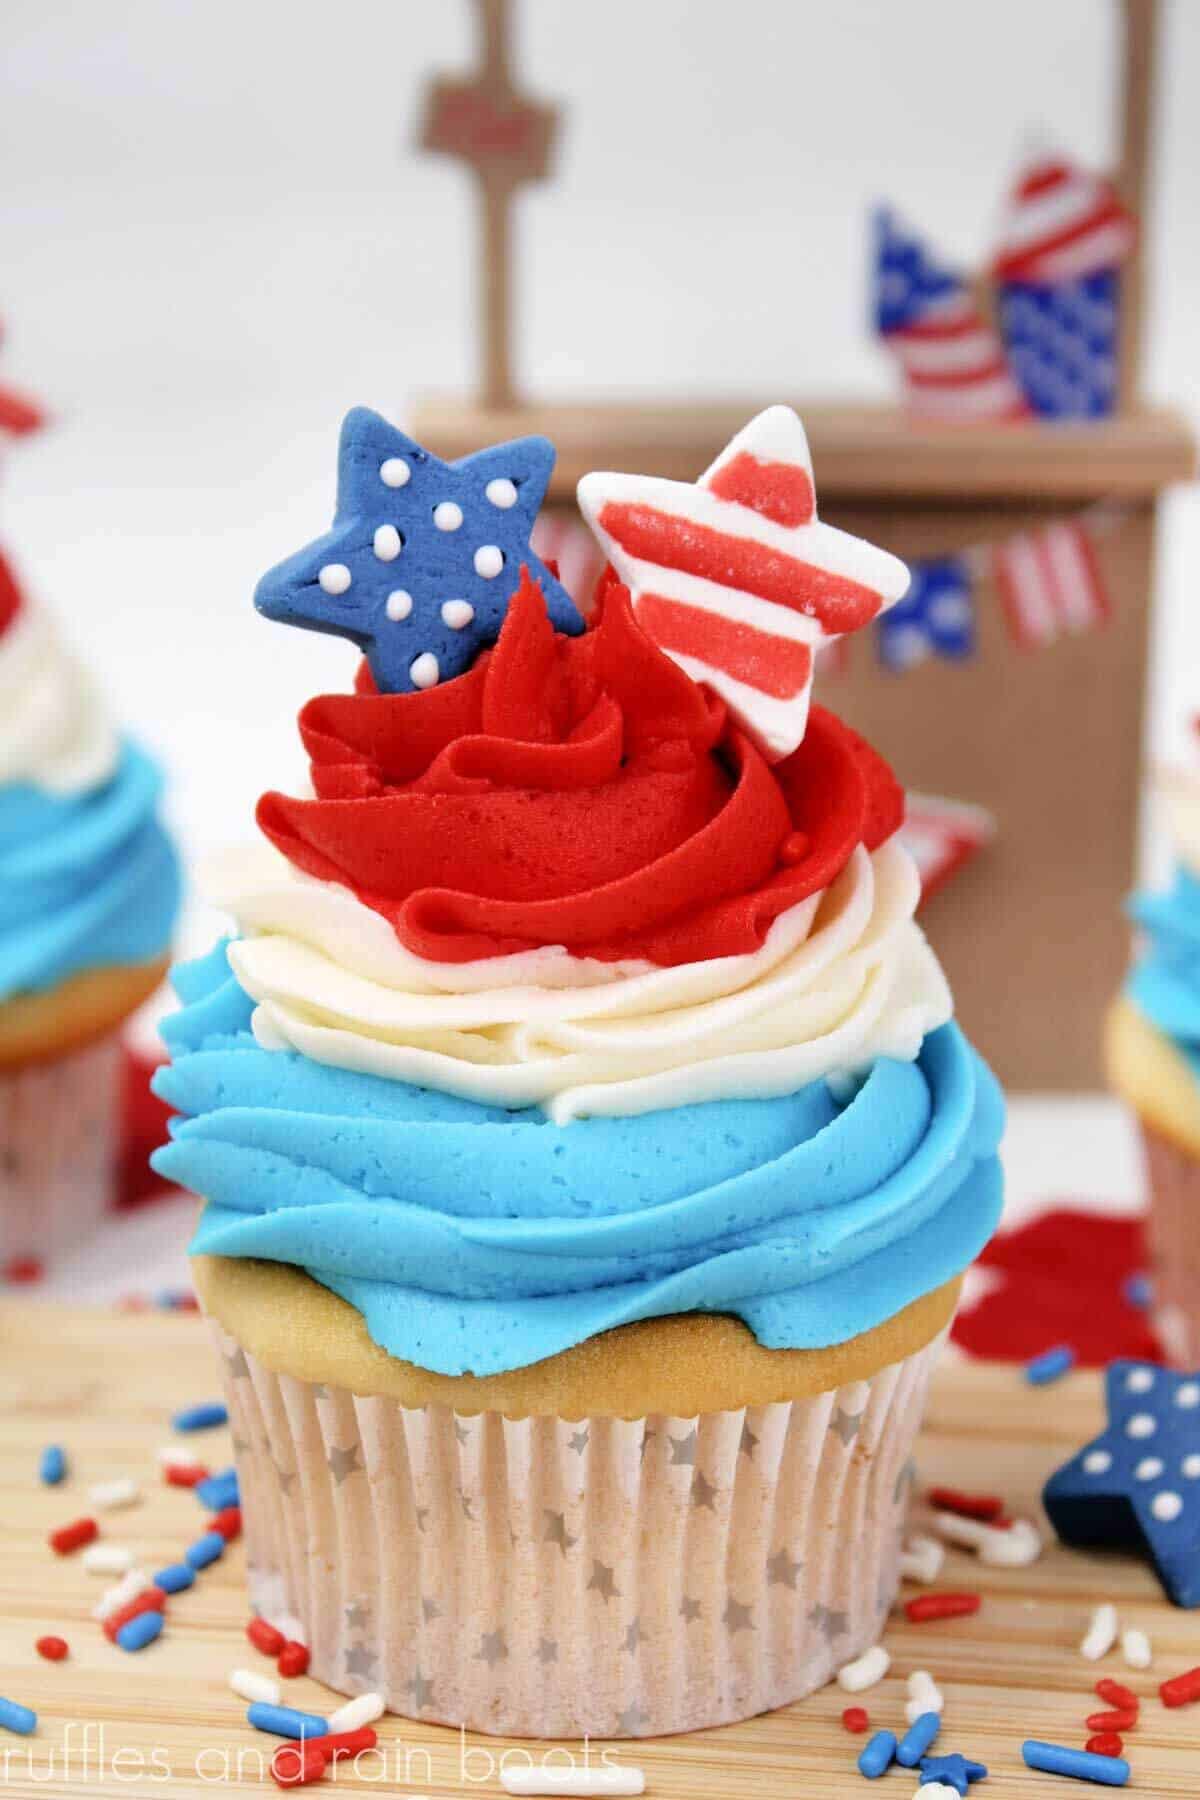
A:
{"x": 424, "y": 555}
{"x": 1137, "y": 1485}
{"x": 956, "y": 1771}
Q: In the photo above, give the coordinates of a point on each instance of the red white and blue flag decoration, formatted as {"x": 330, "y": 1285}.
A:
{"x": 935, "y": 618}
{"x": 736, "y": 579}
{"x": 942, "y": 836}
{"x": 18, "y": 415}
{"x": 564, "y": 542}
{"x": 953, "y": 363}
{"x": 1050, "y": 584}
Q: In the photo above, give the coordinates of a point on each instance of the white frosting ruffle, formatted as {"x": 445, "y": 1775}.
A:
{"x": 54, "y": 732}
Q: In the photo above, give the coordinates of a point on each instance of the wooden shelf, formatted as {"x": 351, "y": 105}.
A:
{"x": 859, "y": 452}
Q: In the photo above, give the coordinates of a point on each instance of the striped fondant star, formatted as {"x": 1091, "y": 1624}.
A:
{"x": 424, "y": 555}
{"x": 736, "y": 579}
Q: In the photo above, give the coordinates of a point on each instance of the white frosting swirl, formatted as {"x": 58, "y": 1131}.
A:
{"x": 54, "y": 732}
{"x": 1181, "y": 791}
{"x": 843, "y": 978}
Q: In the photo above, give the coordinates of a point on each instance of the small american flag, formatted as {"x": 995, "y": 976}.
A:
{"x": 1050, "y": 584}
{"x": 736, "y": 579}
{"x": 942, "y": 836}
{"x": 564, "y": 540}
{"x": 953, "y": 362}
{"x": 18, "y": 414}
{"x": 935, "y": 618}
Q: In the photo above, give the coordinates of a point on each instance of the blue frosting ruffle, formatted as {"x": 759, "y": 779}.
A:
{"x": 86, "y": 880}
{"x": 472, "y": 1239}
{"x": 1165, "y": 983}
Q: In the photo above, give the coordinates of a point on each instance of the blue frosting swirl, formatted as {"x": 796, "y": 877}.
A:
{"x": 1165, "y": 982}
{"x": 86, "y": 880}
{"x": 474, "y": 1240}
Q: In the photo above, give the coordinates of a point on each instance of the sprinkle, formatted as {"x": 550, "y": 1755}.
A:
{"x": 205, "y": 1550}
{"x": 140, "y": 1631}
{"x": 1101, "y": 1633}
{"x": 264, "y": 1637}
{"x": 21, "y": 1270}
{"x": 607, "y": 1779}
{"x": 955, "y": 1772}
{"x": 184, "y": 1475}
{"x": 73, "y": 1536}
{"x": 958, "y": 1528}
{"x": 293, "y": 1660}
{"x": 133, "y": 1584}
{"x": 922, "y": 1559}
{"x": 176, "y": 1453}
{"x": 1136, "y": 1289}
{"x": 346, "y": 1743}
{"x": 1050, "y": 1365}
{"x": 918, "y": 1739}
{"x": 52, "y": 1467}
{"x": 107, "y": 1559}
{"x": 1058, "y": 1759}
{"x": 149, "y": 1600}
{"x": 110, "y": 1496}
{"x": 1105, "y": 1743}
{"x": 1181, "y": 1690}
{"x": 1135, "y": 1648}
{"x": 218, "y": 1491}
{"x": 298, "y": 1765}
{"x": 21, "y": 1719}
{"x": 201, "y": 1417}
{"x": 865, "y": 1670}
{"x": 924, "y": 1696}
{"x": 987, "y": 1507}
{"x": 877, "y": 1758}
{"x": 940, "y": 1606}
{"x": 856, "y": 1718}
{"x": 285, "y": 1721}
{"x": 1122, "y": 1718}
{"x": 228, "y": 1522}
{"x": 250, "y": 1686}
{"x": 363, "y": 1710}
{"x": 1015, "y": 1548}
{"x": 937, "y": 1790}
{"x": 54, "y": 1649}
{"x": 1116, "y": 1693}
{"x": 174, "y": 1578}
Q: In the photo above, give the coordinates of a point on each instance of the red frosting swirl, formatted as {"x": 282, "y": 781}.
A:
{"x": 577, "y": 791}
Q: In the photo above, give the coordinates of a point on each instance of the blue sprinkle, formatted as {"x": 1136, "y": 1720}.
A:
{"x": 285, "y": 1721}
{"x": 1050, "y": 1365}
{"x": 202, "y": 1417}
{"x": 218, "y": 1491}
{"x": 1137, "y": 1291}
{"x": 1058, "y": 1759}
{"x": 140, "y": 1631}
{"x": 918, "y": 1738}
{"x": 174, "y": 1578}
{"x": 205, "y": 1550}
{"x": 53, "y": 1466}
{"x": 877, "y": 1758}
{"x": 956, "y": 1771}
{"x": 16, "y": 1718}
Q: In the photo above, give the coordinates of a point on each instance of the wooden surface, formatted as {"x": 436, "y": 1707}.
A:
{"x": 1135, "y": 111}
{"x": 104, "y": 1385}
{"x": 859, "y": 452}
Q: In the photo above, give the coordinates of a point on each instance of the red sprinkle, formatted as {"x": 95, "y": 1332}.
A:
{"x": 1124, "y": 1719}
{"x": 1117, "y": 1694}
{"x": 856, "y": 1718}
{"x": 264, "y": 1637}
{"x": 941, "y": 1606}
{"x": 293, "y": 1658}
{"x": 346, "y": 1743}
{"x": 969, "y": 1506}
{"x": 298, "y": 1764}
{"x": 1181, "y": 1690}
{"x": 1105, "y": 1743}
{"x": 23, "y": 1269}
{"x": 185, "y": 1475}
{"x": 228, "y": 1522}
{"x": 151, "y": 1599}
{"x": 54, "y": 1649}
{"x": 74, "y": 1536}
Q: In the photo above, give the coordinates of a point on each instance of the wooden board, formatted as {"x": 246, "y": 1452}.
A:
{"x": 104, "y": 1385}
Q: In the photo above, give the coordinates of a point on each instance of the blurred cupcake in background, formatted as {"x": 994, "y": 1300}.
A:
{"x": 89, "y": 890}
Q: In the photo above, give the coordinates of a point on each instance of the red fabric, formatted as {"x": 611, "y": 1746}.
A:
{"x": 1062, "y": 1282}
{"x": 578, "y": 791}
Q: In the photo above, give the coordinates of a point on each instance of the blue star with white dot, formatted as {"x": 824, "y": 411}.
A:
{"x": 955, "y": 1771}
{"x": 424, "y": 555}
{"x": 1137, "y": 1485}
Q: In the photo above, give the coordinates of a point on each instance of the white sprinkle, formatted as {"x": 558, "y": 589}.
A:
{"x": 1101, "y": 1633}
{"x": 958, "y": 1530}
{"x": 399, "y": 605}
{"x": 334, "y": 578}
{"x": 1166, "y": 1506}
{"x": 1139, "y": 1381}
{"x": 424, "y": 672}
{"x": 501, "y": 492}
{"x": 254, "y": 1687}
{"x": 865, "y": 1671}
{"x": 1135, "y": 1648}
{"x": 107, "y": 1559}
{"x": 457, "y": 614}
{"x": 176, "y": 1456}
{"x": 936, "y": 1790}
{"x": 110, "y": 1495}
{"x": 363, "y": 1710}
{"x": 1097, "y": 1462}
{"x": 1148, "y": 1468}
{"x": 556, "y": 1780}
{"x": 1014, "y": 1548}
{"x": 1142, "y": 1425}
{"x": 1191, "y": 1466}
{"x": 921, "y": 1559}
{"x": 447, "y": 515}
{"x": 1187, "y": 1394}
{"x": 386, "y": 543}
{"x": 489, "y": 560}
{"x": 395, "y": 472}
{"x": 113, "y": 1598}
{"x": 924, "y": 1696}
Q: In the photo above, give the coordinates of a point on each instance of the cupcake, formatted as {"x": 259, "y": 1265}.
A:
{"x": 1153, "y": 1058}
{"x": 89, "y": 889}
{"x": 589, "y": 1156}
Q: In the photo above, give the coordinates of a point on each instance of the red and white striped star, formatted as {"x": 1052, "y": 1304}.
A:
{"x": 736, "y": 579}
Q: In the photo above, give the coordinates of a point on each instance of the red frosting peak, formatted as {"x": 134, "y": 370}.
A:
{"x": 576, "y": 791}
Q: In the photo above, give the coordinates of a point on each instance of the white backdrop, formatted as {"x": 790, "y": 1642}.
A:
{"x": 216, "y": 238}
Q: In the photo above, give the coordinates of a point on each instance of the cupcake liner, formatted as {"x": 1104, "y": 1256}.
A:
{"x": 1174, "y": 1178}
{"x": 552, "y": 1578}
{"x": 59, "y": 1127}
